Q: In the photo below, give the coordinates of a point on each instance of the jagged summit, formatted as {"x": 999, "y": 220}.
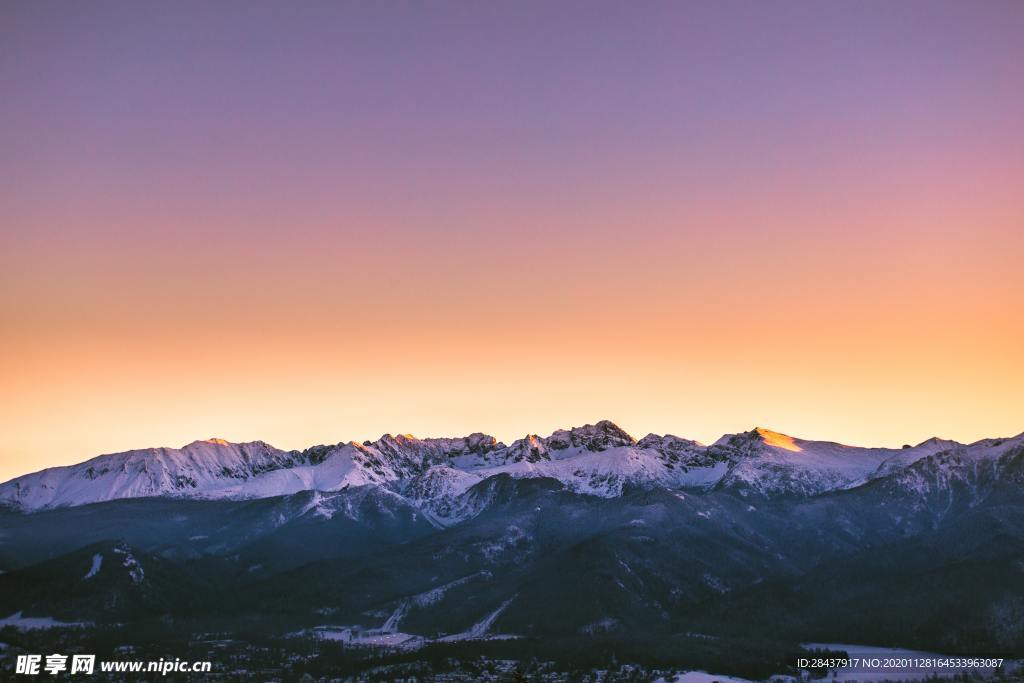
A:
{"x": 398, "y": 438}
{"x": 596, "y": 437}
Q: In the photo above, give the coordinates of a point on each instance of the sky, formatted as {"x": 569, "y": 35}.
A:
{"x": 315, "y": 222}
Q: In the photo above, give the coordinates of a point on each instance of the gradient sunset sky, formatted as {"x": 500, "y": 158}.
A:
{"x": 313, "y": 222}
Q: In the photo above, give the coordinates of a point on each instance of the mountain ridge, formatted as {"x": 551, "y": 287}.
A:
{"x": 594, "y": 458}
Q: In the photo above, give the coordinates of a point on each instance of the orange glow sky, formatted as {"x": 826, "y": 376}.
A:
{"x": 238, "y": 222}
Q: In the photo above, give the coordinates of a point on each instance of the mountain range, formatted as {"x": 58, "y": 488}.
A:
{"x": 585, "y": 533}
{"x": 431, "y": 474}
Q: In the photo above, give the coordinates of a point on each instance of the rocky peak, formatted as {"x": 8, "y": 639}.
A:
{"x": 530, "y": 448}
{"x": 479, "y": 443}
{"x": 597, "y": 437}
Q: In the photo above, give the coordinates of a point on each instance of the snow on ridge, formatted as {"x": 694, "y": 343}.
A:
{"x": 765, "y": 467}
{"x": 141, "y": 473}
{"x": 597, "y": 459}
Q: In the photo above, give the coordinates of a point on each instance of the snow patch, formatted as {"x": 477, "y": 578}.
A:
{"x": 131, "y": 564}
{"x": 97, "y": 562}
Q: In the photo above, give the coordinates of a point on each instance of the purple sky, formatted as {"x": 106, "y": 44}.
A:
{"x": 803, "y": 215}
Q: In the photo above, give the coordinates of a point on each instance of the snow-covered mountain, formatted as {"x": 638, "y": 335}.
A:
{"x": 435, "y": 474}
{"x": 763, "y": 462}
{"x": 584, "y": 532}
{"x": 199, "y": 466}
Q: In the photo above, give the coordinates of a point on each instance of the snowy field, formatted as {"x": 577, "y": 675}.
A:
{"x": 702, "y": 677}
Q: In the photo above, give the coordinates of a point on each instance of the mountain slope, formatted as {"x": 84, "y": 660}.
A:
{"x": 110, "y": 580}
{"x": 533, "y": 556}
